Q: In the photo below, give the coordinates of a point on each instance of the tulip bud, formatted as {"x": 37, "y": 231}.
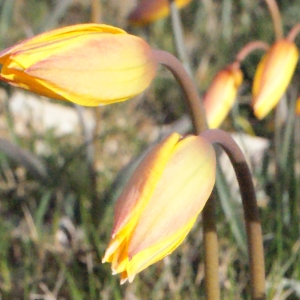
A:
{"x": 160, "y": 203}
{"x": 88, "y": 64}
{"x": 220, "y": 96}
{"x": 273, "y": 76}
{"x": 149, "y": 11}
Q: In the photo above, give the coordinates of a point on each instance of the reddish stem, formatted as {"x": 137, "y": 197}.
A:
{"x": 276, "y": 17}
{"x": 210, "y": 239}
{"x": 293, "y": 33}
{"x": 252, "y": 46}
{"x": 251, "y": 213}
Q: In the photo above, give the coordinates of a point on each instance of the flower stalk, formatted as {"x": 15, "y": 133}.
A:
{"x": 191, "y": 94}
{"x": 276, "y": 17}
{"x": 251, "y": 213}
{"x": 197, "y": 113}
{"x": 250, "y": 47}
{"x": 293, "y": 33}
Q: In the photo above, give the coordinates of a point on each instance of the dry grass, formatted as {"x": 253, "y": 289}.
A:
{"x": 55, "y": 224}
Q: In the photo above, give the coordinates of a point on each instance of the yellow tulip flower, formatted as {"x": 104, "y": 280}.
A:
{"x": 220, "y": 96}
{"x": 88, "y": 64}
{"x": 160, "y": 203}
{"x": 273, "y": 76}
{"x": 148, "y": 11}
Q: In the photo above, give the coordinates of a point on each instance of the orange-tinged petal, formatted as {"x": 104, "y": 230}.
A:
{"x": 137, "y": 193}
{"x": 179, "y": 195}
{"x": 273, "y": 76}
{"x": 54, "y": 36}
{"x": 140, "y": 187}
{"x": 158, "y": 251}
{"x": 297, "y": 109}
{"x": 148, "y": 11}
{"x": 87, "y": 64}
{"x": 220, "y": 96}
{"x": 160, "y": 203}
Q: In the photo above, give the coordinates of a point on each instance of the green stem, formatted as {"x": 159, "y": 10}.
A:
{"x": 210, "y": 239}
{"x": 251, "y": 213}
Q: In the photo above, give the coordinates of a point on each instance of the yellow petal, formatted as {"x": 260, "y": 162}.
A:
{"x": 158, "y": 251}
{"x": 273, "y": 76}
{"x": 137, "y": 194}
{"x": 87, "y": 67}
{"x": 57, "y": 35}
{"x": 220, "y": 96}
{"x": 160, "y": 203}
{"x": 142, "y": 184}
{"x": 180, "y": 194}
{"x": 149, "y": 11}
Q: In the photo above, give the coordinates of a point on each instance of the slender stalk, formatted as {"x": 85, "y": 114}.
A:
{"x": 178, "y": 36}
{"x": 211, "y": 250}
{"x": 96, "y": 10}
{"x": 251, "y": 213}
{"x": 191, "y": 94}
{"x": 276, "y": 17}
{"x": 255, "y": 45}
{"x": 210, "y": 239}
{"x": 293, "y": 33}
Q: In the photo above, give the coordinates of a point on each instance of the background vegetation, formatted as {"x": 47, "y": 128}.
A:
{"x": 62, "y": 167}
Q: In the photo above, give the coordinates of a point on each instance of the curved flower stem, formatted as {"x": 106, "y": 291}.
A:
{"x": 293, "y": 33}
{"x": 191, "y": 94}
{"x": 255, "y": 45}
{"x": 178, "y": 36}
{"x": 276, "y": 17}
{"x": 251, "y": 213}
{"x": 210, "y": 239}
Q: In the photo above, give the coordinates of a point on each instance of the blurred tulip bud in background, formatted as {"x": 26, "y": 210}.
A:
{"x": 160, "y": 203}
{"x": 273, "y": 76}
{"x": 221, "y": 94}
{"x": 148, "y": 11}
{"x": 297, "y": 109}
{"x": 88, "y": 64}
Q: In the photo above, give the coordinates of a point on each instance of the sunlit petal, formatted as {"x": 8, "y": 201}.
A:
{"x": 220, "y": 96}
{"x": 87, "y": 64}
{"x": 160, "y": 203}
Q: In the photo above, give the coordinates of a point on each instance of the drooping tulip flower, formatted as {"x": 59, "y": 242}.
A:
{"x": 88, "y": 64}
{"x": 273, "y": 76}
{"x": 220, "y": 96}
{"x": 160, "y": 203}
{"x": 148, "y": 11}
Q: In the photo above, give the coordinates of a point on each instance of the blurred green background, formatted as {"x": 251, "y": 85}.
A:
{"x": 62, "y": 167}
